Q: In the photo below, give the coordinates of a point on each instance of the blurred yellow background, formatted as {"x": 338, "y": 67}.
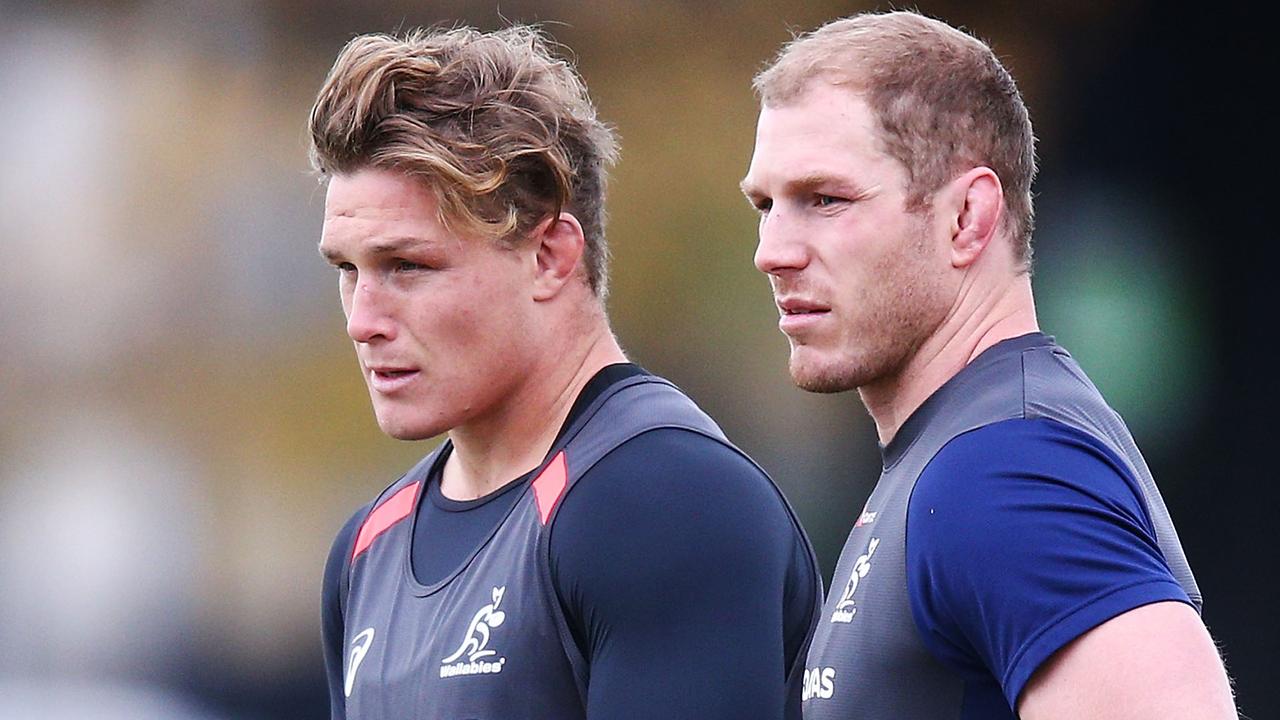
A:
{"x": 182, "y": 426}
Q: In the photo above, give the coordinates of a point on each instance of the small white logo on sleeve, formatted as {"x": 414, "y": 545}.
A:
{"x": 359, "y": 647}
{"x": 819, "y": 683}
{"x": 845, "y": 609}
{"x": 475, "y": 646}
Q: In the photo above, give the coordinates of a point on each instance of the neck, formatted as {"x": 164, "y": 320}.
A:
{"x": 490, "y": 452}
{"x": 980, "y": 318}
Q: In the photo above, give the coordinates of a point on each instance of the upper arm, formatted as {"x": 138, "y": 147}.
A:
{"x": 332, "y": 609}
{"x": 674, "y": 559}
{"x": 1021, "y": 537}
{"x": 1155, "y": 661}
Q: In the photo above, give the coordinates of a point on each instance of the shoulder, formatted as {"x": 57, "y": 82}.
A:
{"x": 663, "y": 535}
{"x": 1005, "y": 466}
{"x": 673, "y": 472}
{"x": 1022, "y": 535}
{"x": 1019, "y": 489}
{"x": 333, "y": 589}
{"x": 665, "y": 503}
{"x": 343, "y": 543}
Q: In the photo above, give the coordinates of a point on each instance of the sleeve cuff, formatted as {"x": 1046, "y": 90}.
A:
{"x": 1077, "y": 622}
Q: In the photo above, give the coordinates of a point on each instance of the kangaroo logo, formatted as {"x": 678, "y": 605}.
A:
{"x": 475, "y": 646}
{"x": 845, "y": 609}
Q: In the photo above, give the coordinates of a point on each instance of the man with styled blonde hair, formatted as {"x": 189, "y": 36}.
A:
{"x": 1015, "y": 558}
{"x": 586, "y": 543}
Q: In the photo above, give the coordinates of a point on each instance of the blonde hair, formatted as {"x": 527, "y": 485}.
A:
{"x": 501, "y": 130}
{"x": 942, "y": 100}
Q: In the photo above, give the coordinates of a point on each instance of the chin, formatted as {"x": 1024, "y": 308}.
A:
{"x": 402, "y": 428}
{"x": 827, "y": 375}
{"x": 408, "y": 435}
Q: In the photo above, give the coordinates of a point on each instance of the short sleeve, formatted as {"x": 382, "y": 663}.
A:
{"x": 1021, "y": 536}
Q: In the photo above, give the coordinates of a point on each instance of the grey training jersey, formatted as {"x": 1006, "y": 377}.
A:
{"x": 490, "y": 641}
{"x": 867, "y": 659}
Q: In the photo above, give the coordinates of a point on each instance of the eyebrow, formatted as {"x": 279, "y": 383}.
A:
{"x": 808, "y": 183}
{"x": 814, "y": 181}
{"x": 385, "y": 246}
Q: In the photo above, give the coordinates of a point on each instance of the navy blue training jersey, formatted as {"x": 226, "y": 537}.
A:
{"x": 1014, "y": 513}
{"x": 644, "y": 582}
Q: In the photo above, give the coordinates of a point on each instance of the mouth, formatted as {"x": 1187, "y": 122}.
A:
{"x": 387, "y": 379}
{"x": 799, "y": 313}
{"x": 794, "y": 305}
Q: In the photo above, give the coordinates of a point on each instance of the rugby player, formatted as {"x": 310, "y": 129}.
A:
{"x": 1015, "y": 557}
{"x": 585, "y": 543}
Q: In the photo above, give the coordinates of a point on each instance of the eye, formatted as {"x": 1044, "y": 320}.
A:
{"x": 763, "y": 205}
{"x": 827, "y": 200}
{"x": 408, "y": 266}
{"x": 344, "y": 268}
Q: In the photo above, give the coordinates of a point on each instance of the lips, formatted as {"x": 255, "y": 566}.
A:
{"x": 390, "y": 378}
{"x": 800, "y": 306}
{"x": 799, "y": 313}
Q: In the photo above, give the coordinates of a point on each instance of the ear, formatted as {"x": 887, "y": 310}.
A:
{"x": 560, "y": 244}
{"x": 976, "y": 204}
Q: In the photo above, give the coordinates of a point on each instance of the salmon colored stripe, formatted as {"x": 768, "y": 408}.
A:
{"x": 549, "y": 486}
{"x": 384, "y": 516}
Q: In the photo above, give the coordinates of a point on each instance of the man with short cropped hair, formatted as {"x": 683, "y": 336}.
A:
{"x": 1015, "y": 558}
{"x": 586, "y": 543}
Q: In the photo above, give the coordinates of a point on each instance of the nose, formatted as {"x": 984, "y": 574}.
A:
{"x": 781, "y": 247}
{"x": 368, "y": 315}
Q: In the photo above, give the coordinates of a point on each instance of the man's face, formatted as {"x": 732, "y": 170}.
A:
{"x": 857, "y": 278}
{"x": 440, "y": 322}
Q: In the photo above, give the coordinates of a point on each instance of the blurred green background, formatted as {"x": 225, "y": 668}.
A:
{"x": 182, "y": 427}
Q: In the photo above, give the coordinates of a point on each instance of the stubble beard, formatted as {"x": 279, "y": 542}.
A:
{"x": 892, "y": 323}
{"x": 872, "y": 361}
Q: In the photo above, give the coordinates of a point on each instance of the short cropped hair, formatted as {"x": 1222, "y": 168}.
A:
{"x": 497, "y": 127}
{"x": 943, "y": 102}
